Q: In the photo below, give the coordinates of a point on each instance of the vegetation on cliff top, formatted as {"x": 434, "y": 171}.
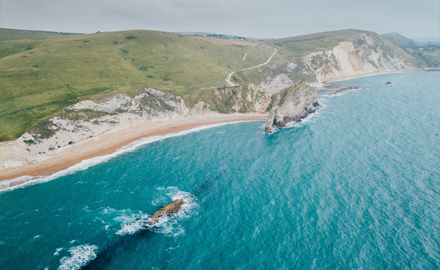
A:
{"x": 424, "y": 55}
{"x": 47, "y": 72}
{"x": 43, "y": 72}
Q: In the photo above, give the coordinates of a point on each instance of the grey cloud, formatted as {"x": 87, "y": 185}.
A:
{"x": 260, "y": 18}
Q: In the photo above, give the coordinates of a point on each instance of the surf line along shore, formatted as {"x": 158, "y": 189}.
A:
{"x": 109, "y": 143}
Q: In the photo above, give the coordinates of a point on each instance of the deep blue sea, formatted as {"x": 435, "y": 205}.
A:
{"x": 355, "y": 186}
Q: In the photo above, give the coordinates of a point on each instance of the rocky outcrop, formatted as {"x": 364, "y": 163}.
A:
{"x": 168, "y": 209}
{"x": 343, "y": 90}
{"x": 90, "y": 119}
{"x": 277, "y": 83}
{"x": 250, "y": 98}
{"x": 365, "y": 55}
{"x": 293, "y": 104}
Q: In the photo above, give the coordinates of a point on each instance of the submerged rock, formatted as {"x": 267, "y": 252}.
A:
{"x": 343, "y": 90}
{"x": 168, "y": 209}
{"x": 293, "y": 104}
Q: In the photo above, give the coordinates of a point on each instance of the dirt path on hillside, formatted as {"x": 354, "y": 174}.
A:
{"x": 228, "y": 78}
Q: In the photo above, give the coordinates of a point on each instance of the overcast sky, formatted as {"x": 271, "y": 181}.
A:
{"x": 250, "y": 18}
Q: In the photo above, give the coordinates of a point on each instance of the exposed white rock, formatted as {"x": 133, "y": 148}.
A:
{"x": 299, "y": 101}
{"x": 276, "y": 84}
{"x": 363, "y": 56}
{"x": 119, "y": 112}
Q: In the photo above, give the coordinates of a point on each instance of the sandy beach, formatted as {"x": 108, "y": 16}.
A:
{"x": 110, "y": 142}
{"x": 367, "y": 74}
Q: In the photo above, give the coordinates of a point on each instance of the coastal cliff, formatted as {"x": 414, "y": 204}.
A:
{"x": 367, "y": 54}
{"x": 284, "y": 85}
{"x": 89, "y": 119}
{"x": 363, "y": 53}
{"x": 293, "y": 104}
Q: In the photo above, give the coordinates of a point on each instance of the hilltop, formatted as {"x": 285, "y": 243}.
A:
{"x": 400, "y": 41}
{"x": 48, "y": 71}
{"x": 425, "y": 55}
{"x": 43, "y": 73}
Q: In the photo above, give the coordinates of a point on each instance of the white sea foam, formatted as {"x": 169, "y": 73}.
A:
{"x": 80, "y": 256}
{"x": 132, "y": 223}
{"x": 24, "y": 181}
{"x": 57, "y": 252}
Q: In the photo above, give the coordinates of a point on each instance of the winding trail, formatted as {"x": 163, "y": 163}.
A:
{"x": 228, "y": 78}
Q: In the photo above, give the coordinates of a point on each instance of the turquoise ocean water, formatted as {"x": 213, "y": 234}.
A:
{"x": 355, "y": 186}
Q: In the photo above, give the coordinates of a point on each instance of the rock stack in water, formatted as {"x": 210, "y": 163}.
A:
{"x": 168, "y": 209}
{"x": 343, "y": 90}
{"x": 293, "y": 104}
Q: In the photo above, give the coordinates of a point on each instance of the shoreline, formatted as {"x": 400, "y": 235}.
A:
{"x": 348, "y": 77}
{"x": 112, "y": 142}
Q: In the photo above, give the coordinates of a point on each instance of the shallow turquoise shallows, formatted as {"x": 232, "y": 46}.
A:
{"x": 355, "y": 186}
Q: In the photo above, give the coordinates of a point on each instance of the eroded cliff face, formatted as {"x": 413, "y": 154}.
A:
{"x": 293, "y": 99}
{"x": 364, "y": 55}
{"x": 293, "y": 104}
{"x": 244, "y": 99}
{"x": 89, "y": 119}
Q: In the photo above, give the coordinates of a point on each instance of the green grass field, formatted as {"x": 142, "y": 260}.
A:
{"x": 42, "y": 72}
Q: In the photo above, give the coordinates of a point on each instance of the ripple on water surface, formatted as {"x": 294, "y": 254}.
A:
{"x": 354, "y": 186}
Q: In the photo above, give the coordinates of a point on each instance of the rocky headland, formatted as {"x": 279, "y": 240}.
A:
{"x": 293, "y": 104}
{"x": 284, "y": 89}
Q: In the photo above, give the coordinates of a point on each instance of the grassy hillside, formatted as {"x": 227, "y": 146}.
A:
{"x": 42, "y": 75}
{"x": 400, "y": 41}
{"x": 14, "y": 34}
{"x": 43, "y": 72}
{"x": 292, "y": 48}
{"x": 424, "y": 55}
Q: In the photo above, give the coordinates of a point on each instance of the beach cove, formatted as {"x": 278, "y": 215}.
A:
{"x": 355, "y": 185}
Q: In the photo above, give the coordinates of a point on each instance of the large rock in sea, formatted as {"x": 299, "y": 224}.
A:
{"x": 168, "y": 209}
{"x": 293, "y": 104}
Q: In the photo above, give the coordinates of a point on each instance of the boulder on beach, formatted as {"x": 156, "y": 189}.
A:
{"x": 168, "y": 209}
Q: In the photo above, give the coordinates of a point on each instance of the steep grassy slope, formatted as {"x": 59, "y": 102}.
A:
{"x": 399, "y": 40}
{"x": 50, "y": 73}
{"x": 293, "y": 49}
{"x": 43, "y": 72}
{"x": 425, "y": 55}
{"x": 14, "y": 34}
{"x": 22, "y": 40}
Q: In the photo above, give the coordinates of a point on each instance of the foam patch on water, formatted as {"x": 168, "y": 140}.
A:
{"x": 128, "y": 220}
{"x": 80, "y": 256}
{"x": 24, "y": 181}
{"x": 57, "y": 252}
{"x": 168, "y": 225}
{"x": 133, "y": 225}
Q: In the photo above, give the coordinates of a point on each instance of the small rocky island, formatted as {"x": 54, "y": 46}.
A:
{"x": 293, "y": 104}
{"x": 168, "y": 209}
{"x": 343, "y": 90}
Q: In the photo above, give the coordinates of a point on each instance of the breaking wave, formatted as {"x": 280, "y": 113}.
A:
{"x": 24, "y": 181}
{"x": 80, "y": 256}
